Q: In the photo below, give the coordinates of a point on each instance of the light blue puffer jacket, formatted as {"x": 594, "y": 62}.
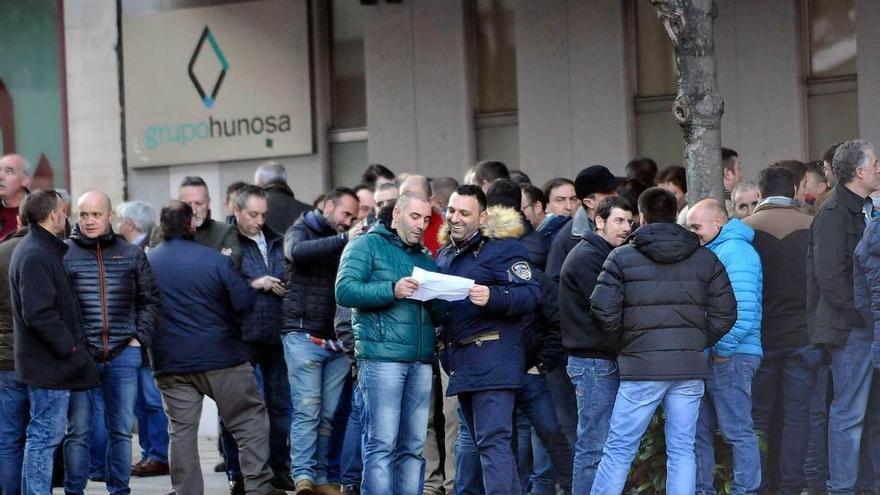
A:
{"x": 733, "y": 246}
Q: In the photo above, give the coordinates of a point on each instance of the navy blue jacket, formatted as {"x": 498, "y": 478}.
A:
{"x": 494, "y": 258}
{"x": 263, "y": 324}
{"x": 203, "y": 295}
{"x": 866, "y": 283}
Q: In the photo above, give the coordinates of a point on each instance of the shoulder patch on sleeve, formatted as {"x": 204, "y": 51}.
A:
{"x": 522, "y": 269}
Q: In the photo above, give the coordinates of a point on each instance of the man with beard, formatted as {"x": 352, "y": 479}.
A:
{"x": 316, "y": 363}
{"x": 592, "y": 363}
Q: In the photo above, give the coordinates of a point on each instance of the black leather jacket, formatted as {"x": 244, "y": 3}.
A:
{"x": 117, "y": 293}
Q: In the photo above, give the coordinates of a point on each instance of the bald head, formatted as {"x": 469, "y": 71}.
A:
{"x": 416, "y": 185}
{"x": 14, "y": 179}
{"x": 95, "y": 212}
{"x": 706, "y": 219}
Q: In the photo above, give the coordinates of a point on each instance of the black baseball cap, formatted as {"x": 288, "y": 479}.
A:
{"x": 596, "y": 178}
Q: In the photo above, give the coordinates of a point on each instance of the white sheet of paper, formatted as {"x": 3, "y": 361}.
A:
{"x": 434, "y": 285}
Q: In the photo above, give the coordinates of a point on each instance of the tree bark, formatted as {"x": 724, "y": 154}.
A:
{"x": 698, "y": 105}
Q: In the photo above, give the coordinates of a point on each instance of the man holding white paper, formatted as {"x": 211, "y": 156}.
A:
{"x": 394, "y": 344}
{"x": 482, "y": 335}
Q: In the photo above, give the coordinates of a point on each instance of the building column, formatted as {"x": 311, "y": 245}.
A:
{"x": 419, "y": 113}
{"x": 94, "y": 119}
{"x": 575, "y": 103}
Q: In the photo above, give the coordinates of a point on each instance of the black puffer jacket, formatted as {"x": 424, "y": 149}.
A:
{"x": 662, "y": 299}
{"x": 312, "y": 249}
{"x": 116, "y": 290}
{"x": 581, "y": 335}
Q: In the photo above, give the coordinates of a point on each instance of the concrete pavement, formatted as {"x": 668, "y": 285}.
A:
{"x": 215, "y": 483}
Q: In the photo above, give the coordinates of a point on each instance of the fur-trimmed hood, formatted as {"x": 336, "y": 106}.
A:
{"x": 503, "y": 223}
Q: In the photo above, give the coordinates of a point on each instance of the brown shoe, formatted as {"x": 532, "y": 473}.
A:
{"x": 146, "y": 469}
{"x": 304, "y": 487}
{"x": 328, "y": 489}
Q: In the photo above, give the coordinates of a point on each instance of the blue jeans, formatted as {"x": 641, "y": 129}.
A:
{"x": 488, "y": 417}
{"x": 869, "y": 465}
{"x": 396, "y": 399}
{"x": 532, "y": 459}
{"x": 784, "y": 385}
{"x": 13, "y": 421}
{"x": 119, "y": 378}
{"x": 727, "y": 406}
{"x": 316, "y": 376}
{"x": 152, "y": 422}
{"x": 851, "y": 373}
{"x": 595, "y": 383}
{"x": 98, "y": 445}
{"x": 634, "y": 407}
{"x": 351, "y": 462}
{"x": 536, "y": 402}
{"x": 45, "y": 430}
{"x": 468, "y": 475}
{"x": 565, "y": 400}
{"x": 816, "y": 461}
{"x": 542, "y": 477}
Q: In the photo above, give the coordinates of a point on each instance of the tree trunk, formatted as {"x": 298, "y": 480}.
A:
{"x": 698, "y": 105}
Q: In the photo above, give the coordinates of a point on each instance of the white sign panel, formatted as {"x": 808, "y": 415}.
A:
{"x": 217, "y": 83}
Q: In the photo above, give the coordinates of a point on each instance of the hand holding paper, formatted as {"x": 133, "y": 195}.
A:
{"x": 439, "y": 286}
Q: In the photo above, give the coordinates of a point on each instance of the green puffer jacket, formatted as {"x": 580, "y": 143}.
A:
{"x": 385, "y": 328}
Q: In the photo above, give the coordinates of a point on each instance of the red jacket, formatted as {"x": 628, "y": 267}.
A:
{"x": 433, "y": 229}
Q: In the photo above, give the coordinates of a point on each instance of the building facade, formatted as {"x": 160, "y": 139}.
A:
{"x": 432, "y": 86}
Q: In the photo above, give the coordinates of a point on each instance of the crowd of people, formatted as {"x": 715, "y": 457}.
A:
{"x": 595, "y": 302}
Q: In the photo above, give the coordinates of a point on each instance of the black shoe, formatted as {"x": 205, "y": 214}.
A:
{"x": 284, "y": 482}
{"x": 220, "y": 467}
{"x": 236, "y": 486}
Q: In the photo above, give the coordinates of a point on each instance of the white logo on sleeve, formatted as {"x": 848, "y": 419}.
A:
{"x": 522, "y": 270}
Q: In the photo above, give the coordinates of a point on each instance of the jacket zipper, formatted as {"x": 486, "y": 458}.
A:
{"x": 105, "y": 333}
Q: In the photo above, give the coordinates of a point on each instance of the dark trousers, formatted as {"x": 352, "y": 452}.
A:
{"x": 783, "y": 387}
{"x": 535, "y": 402}
{"x": 488, "y": 416}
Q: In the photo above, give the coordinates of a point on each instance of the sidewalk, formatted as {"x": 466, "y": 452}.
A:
{"x": 215, "y": 483}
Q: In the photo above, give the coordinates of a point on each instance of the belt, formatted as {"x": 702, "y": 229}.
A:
{"x": 480, "y": 338}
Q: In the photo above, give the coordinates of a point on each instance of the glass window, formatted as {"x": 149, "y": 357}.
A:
{"x": 348, "y": 161}
{"x": 832, "y": 38}
{"x": 496, "y": 56}
{"x": 654, "y": 53}
{"x": 32, "y": 86}
{"x": 349, "y": 97}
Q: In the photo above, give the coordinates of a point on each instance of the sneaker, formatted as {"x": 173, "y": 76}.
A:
{"x": 220, "y": 467}
{"x": 304, "y": 487}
